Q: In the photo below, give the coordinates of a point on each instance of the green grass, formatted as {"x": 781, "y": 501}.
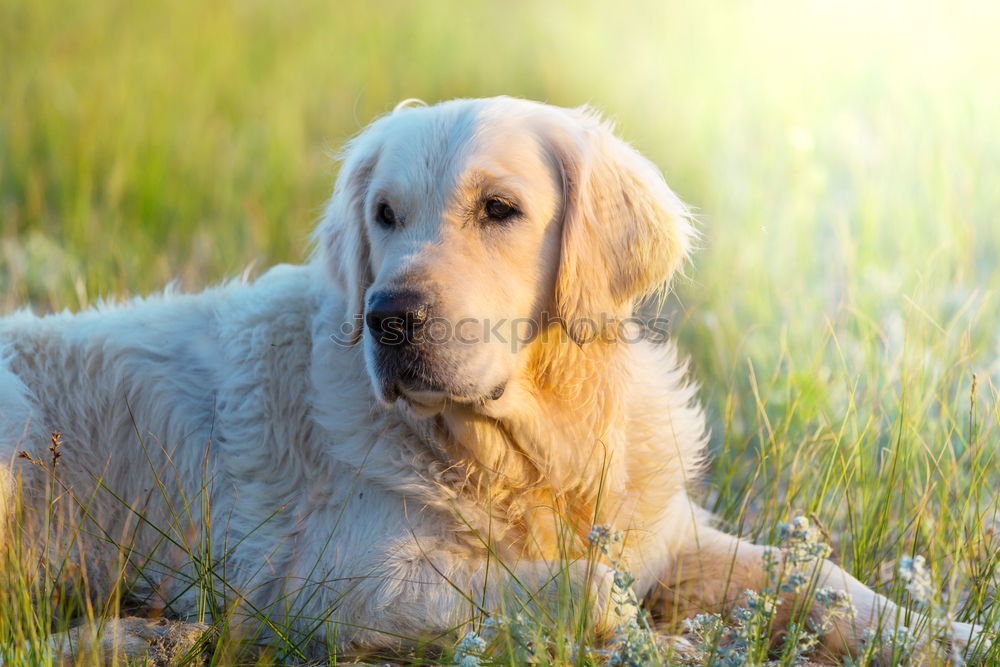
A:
{"x": 842, "y": 315}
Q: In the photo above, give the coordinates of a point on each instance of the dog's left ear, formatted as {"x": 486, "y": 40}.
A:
{"x": 624, "y": 231}
{"x": 341, "y": 241}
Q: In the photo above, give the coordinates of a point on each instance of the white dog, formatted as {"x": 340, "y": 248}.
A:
{"x": 417, "y": 427}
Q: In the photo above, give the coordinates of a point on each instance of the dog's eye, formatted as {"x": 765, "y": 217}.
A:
{"x": 499, "y": 210}
{"x": 385, "y": 215}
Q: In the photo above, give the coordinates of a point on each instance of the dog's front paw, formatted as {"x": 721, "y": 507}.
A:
{"x": 972, "y": 642}
{"x": 551, "y": 592}
{"x": 613, "y": 604}
{"x": 135, "y": 640}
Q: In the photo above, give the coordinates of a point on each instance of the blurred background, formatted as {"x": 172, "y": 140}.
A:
{"x": 843, "y": 158}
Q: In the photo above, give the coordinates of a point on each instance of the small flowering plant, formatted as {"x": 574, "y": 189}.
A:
{"x": 791, "y": 569}
{"x": 917, "y": 578}
{"x": 634, "y": 643}
{"x": 469, "y": 650}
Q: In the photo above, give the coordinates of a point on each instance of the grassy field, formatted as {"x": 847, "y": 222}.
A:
{"x": 842, "y": 314}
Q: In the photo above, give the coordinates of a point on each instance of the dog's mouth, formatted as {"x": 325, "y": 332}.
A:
{"x": 415, "y": 377}
{"x": 426, "y": 394}
{"x": 423, "y": 400}
{"x": 416, "y": 387}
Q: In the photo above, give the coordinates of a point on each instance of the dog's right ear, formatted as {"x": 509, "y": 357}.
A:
{"x": 624, "y": 232}
{"x": 341, "y": 242}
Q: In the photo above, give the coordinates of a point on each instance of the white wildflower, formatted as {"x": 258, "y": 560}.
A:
{"x": 902, "y": 642}
{"x": 916, "y": 576}
{"x": 802, "y": 543}
{"x": 836, "y": 604}
{"x": 469, "y": 650}
{"x": 603, "y": 537}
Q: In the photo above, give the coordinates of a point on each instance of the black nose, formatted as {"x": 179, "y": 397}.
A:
{"x": 394, "y": 317}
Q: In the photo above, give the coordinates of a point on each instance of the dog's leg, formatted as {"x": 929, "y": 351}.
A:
{"x": 713, "y": 573}
{"x": 142, "y": 641}
{"x": 428, "y": 590}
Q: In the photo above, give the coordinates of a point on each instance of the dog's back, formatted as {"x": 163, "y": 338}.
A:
{"x": 159, "y": 404}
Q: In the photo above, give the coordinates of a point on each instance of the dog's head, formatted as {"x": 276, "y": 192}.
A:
{"x": 459, "y": 233}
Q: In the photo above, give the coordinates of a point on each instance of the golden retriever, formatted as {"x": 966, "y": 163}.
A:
{"x": 418, "y": 426}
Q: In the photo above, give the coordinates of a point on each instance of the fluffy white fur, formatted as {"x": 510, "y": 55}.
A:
{"x": 336, "y": 494}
